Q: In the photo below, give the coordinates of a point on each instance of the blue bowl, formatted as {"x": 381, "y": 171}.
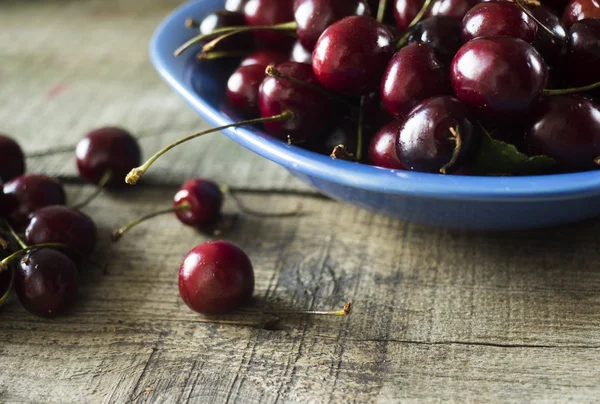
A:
{"x": 490, "y": 203}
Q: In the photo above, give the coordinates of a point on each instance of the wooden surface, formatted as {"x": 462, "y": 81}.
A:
{"x": 439, "y": 315}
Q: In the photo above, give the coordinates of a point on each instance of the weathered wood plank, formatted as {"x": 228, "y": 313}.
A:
{"x": 71, "y": 66}
{"x": 439, "y": 315}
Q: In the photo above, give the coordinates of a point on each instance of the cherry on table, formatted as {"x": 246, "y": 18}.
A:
{"x": 351, "y": 64}
{"x": 500, "y": 78}
{"x": 413, "y": 74}
{"x": 582, "y": 63}
{"x": 243, "y": 86}
{"x": 498, "y": 18}
{"x": 216, "y": 277}
{"x": 270, "y": 12}
{"x": 11, "y": 157}
{"x": 580, "y": 9}
{"x": 566, "y": 128}
{"x": 442, "y": 33}
{"x": 438, "y": 136}
{"x": 552, "y": 48}
{"x": 107, "y": 151}
{"x": 45, "y": 281}
{"x": 31, "y": 192}
{"x": 382, "y": 149}
{"x": 60, "y": 224}
{"x": 204, "y": 199}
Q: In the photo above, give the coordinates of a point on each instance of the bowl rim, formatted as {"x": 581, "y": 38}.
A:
{"x": 555, "y": 186}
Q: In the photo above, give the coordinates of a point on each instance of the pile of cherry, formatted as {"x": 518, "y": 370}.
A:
{"x": 437, "y": 86}
{"x": 43, "y": 243}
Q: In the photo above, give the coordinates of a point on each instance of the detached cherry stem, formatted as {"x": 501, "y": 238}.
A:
{"x": 248, "y": 211}
{"x": 134, "y": 175}
{"x": 526, "y": 10}
{"x": 566, "y": 91}
{"x": 4, "y": 263}
{"x": 424, "y": 10}
{"x": 99, "y": 189}
{"x": 117, "y": 234}
{"x": 457, "y": 148}
{"x": 14, "y": 235}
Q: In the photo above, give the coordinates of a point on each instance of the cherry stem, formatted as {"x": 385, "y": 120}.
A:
{"x": 249, "y": 211}
{"x": 99, "y": 189}
{"x": 381, "y": 10}
{"x": 597, "y": 160}
{"x": 117, "y": 234}
{"x": 14, "y": 235}
{"x": 424, "y": 10}
{"x": 229, "y": 31}
{"x": 339, "y": 313}
{"x": 526, "y": 10}
{"x": 192, "y": 23}
{"x": 565, "y": 91}
{"x": 134, "y": 175}
{"x": 4, "y": 263}
{"x": 220, "y": 55}
{"x": 456, "y": 153}
{"x": 361, "y": 124}
{"x": 340, "y": 152}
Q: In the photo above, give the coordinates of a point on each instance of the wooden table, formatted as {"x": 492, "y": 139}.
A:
{"x": 439, "y": 315}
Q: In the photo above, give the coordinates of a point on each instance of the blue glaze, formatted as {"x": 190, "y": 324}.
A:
{"x": 452, "y": 201}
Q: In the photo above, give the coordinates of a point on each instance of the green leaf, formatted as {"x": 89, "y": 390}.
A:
{"x": 499, "y": 158}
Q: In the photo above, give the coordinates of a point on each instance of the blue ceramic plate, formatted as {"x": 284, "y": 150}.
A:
{"x": 452, "y": 201}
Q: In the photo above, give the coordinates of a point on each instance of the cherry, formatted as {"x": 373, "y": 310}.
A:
{"x": 452, "y": 8}
{"x": 45, "y": 281}
{"x": 440, "y": 32}
{"x": 566, "y": 128}
{"x": 405, "y": 11}
{"x": 582, "y": 64}
{"x": 314, "y": 16}
{"x": 270, "y": 12}
{"x": 31, "y": 192}
{"x": 300, "y": 54}
{"x": 500, "y": 77}
{"x": 12, "y": 158}
{"x": 382, "y": 149}
{"x": 242, "y": 88}
{"x": 437, "y": 136}
{"x": 204, "y": 200}
{"x": 106, "y": 155}
{"x": 264, "y": 57}
{"x": 59, "y": 224}
{"x": 413, "y": 74}
{"x": 235, "y": 5}
{"x": 579, "y": 9}
{"x": 222, "y": 19}
{"x": 498, "y": 18}
{"x": 351, "y": 64}
{"x": 551, "y": 47}
{"x": 310, "y": 108}
{"x": 216, "y": 277}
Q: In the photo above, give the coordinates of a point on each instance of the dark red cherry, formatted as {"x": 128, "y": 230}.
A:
{"x": 235, "y": 5}
{"x": 382, "y": 149}
{"x": 264, "y": 57}
{"x": 579, "y": 9}
{"x": 216, "y": 277}
{"x": 105, "y": 150}
{"x": 350, "y": 63}
{"x": 452, "y": 8}
{"x": 550, "y": 47}
{"x": 413, "y": 74}
{"x": 221, "y": 19}
{"x": 59, "y": 224}
{"x": 566, "y": 128}
{"x": 314, "y": 16}
{"x": 406, "y": 10}
{"x": 205, "y": 201}
{"x": 442, "y": 33}
{"x": 242, "y": 89}
{"x": 500, "y": 78}
{"x": 45, "y": 282}
{"x": 438, "y": 136}
{"x": 270, "y": 12}
{"x": 300, "y": 54}
{"x": 582, "y": 63}
{"x": 31, "y": 192}
{"x": 312, "y": 110}
{"x": 498, "y": 18}
{"x": 12, "y": 160}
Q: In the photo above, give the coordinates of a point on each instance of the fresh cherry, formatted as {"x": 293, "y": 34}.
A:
{"x": 216, "y": 277}
{"x": 267, "y": 13}
{"x": 59, "y": 224}
{"x": 579, "y": 9}
{"x": 204, "y": 201}
{"x": 107, "y": 155}
{"x": 413, "y": 74}
{"x": 499, "y": 78}
{"x": 31, "y": 192}
{"x": 264, "y": 57}
{"x": 45, "y": 281}
{"x": 438, "y": 136}
{"x": 300, "y": 54}
{"x": 582, "y": 63}
{"x": 551, "y": 47}
{"x": 498, "y": 18}
{"x": 566, "y": 128}
{"x": 11, "y": 157}
{"x": 222, "y": 19}
{"x": 382, "y": 149}
{"x": 235, "y": 5}
{"x": 452, "y": 8}
{"x": 442, "y": 33}
{"x": 242, "y": 88}
{"x": 349, "y": 63}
